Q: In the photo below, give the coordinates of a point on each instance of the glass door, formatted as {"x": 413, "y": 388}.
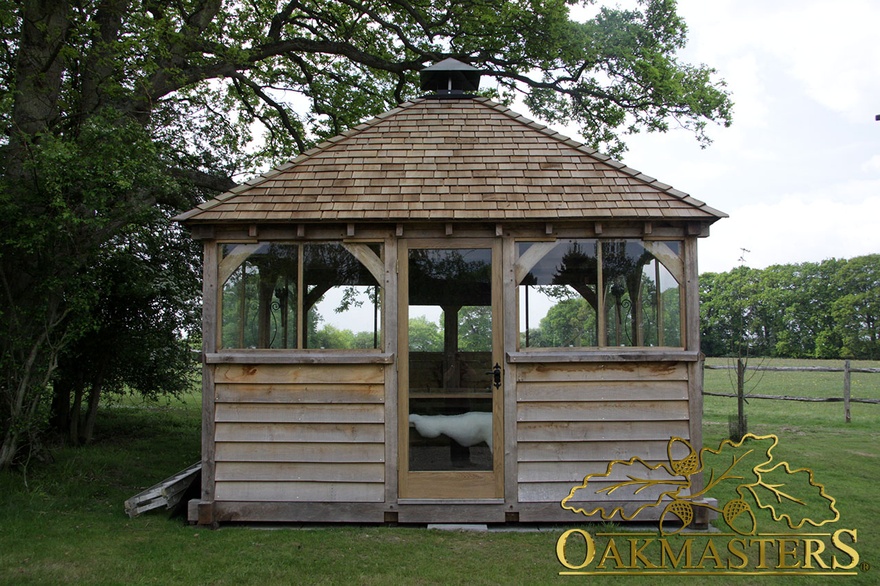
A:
{"x": 451, "y": 376}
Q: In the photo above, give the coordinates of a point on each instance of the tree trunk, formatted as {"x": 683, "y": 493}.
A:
{"x": 24, "y": 394}
{"x": 88, "y": 428}
{"x": 8, "y": 449}
{"x": 59, "y": 418}
{"x": 75, "y": 411}
{"x": 38, "y": 75}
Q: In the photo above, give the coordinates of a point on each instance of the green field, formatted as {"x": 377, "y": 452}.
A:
{"x": 62, "y": 519}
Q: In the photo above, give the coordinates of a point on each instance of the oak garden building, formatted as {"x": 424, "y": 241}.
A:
{"x": 561, "y": 284}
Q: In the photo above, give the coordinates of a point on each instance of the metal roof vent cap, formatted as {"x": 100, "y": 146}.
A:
{"x": 450, "y": 78}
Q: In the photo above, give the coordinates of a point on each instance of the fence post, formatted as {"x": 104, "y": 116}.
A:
{"x": 741, "y": 424}
{"x": 846, "y": 388}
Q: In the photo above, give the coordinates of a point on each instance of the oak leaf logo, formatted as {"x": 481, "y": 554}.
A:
{"x": 742, "y": 478}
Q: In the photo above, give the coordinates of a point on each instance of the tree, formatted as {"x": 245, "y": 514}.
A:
{"x": 856, "y": 312}
{"x": 805, "y": 293}
{"x": 806, "y": 310}
{"x": 733, "y": 313}
{"x": 571, "y": 322}
{"x": 115, "y": 112}
{"x": 424, "y": 335}
{"x": 475, "y": 329}
{"x": 735, "y": 317}
{"x": 143, "y": 331}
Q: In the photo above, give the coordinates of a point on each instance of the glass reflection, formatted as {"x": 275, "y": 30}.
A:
{"x": 450, "y": 359}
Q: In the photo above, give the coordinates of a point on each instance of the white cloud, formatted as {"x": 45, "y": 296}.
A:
{"x": 799, "y": 170}
{"x": 834, "y": 52}
{"x": 792, "y": 231}
{"x": 872, "y": 164}
{"x": 830, "y": 50}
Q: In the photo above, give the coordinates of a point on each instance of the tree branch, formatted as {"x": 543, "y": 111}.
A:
{"x": 201, "y": 179}
{"x": 282, "y": 113}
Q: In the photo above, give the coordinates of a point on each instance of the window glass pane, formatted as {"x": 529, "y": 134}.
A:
{"x": 557, "y": 295}
{"x": 259, "y": 296}
{"x": 475, "y": 329}
{"x": 341, "y": 301}
{"x": 642, "y": 297}
{"x": 342, "y": 298}
{"x": 450, "y": 359}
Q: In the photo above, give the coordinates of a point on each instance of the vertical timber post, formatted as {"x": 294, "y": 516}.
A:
{"x": 740, "y": 399}
{"x": 847, "y": 377}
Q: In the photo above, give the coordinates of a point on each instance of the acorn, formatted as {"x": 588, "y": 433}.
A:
{"x": 739, "y": 516}
{"x": 687, "y": 465}
{"x": 683, "y": 511}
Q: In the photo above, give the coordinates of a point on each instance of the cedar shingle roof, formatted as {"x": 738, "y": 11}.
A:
{"x": 463, "y": 159}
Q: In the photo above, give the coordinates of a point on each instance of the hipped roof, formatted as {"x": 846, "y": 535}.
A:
{"x": 450, "y": 160}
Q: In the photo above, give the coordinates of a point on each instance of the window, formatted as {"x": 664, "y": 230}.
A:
{"x": 588, "y": 292}
{"x": 315, "y": 295}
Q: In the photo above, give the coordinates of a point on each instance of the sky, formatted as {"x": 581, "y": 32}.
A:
{"x": 798, "y": 172}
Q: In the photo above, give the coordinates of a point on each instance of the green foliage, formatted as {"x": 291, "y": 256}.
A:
{"x": 77, "y": 227}
{"x": 332, "y": 337}
{"x": 144, "y": 327}
{"x": 116, "y": 113}
{"x": 571, "y": 322}
{"x": 809, "y": 310}
{"x": 63, "y": 522}
{"x": 475, "y": 329}
{"x": 424, "y": 335}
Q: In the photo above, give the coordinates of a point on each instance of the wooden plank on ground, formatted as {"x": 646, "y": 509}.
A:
{"x": 166, "y": 493}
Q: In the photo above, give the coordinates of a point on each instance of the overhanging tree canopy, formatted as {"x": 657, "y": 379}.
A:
{"x": 116, "y": 113}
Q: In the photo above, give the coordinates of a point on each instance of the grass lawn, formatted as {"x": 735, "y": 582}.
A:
{"x": 62, "y": 522}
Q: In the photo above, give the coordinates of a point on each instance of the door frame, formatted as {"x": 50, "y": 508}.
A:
{"x": 449, "y": 485}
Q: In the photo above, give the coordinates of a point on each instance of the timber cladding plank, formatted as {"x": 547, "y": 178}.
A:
{"x": 306, "y": 512}
{"x": 573, "y": 451}
{"x": 299, "y": 452}
{"x": 267, "y": 374}
{"x": 541, "y": 513}
{"x": 301, "y": 491}
{"x": 603, "y": 411}
{"x": 305, "y": 393}
{"x": 529, "y": 472}
{"x": 587, "y": 371}
{"x": 451, "y": 513}
{"x": 554, "y": 492}
{"x": 299, "y": 413}
{"x": 574, "y": 391}
{"x": 300, "y": 432}
{"x": 563, "y": 431}
{"x": 300, "y": 472}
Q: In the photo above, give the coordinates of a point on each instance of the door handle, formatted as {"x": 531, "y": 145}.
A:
{"x": 496, "y": 375}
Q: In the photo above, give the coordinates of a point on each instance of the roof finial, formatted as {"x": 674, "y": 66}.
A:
{"x": 450, "y": 78}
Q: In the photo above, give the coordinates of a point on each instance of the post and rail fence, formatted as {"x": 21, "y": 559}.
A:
{"x": 847, "y": 371}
